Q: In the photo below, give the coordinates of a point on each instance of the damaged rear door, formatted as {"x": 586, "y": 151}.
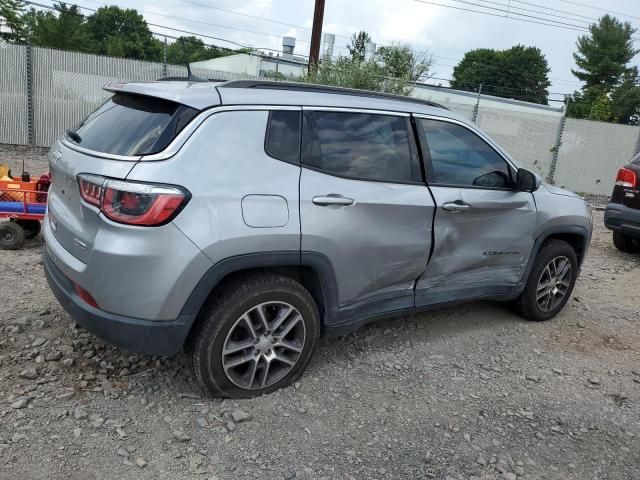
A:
{"x": 365, "y": 207}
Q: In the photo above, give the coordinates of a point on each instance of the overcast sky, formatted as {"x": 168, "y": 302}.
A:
{"x": 445, "y": 32}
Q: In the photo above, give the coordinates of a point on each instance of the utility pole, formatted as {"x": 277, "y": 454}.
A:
{"x": 316, "y": 34}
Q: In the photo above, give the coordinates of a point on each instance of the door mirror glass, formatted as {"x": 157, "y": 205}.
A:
{"x": 527, "y": 181}
{"x": 495, "y": 179}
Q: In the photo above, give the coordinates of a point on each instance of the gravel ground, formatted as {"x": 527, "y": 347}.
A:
{"x": 468, "y": 392}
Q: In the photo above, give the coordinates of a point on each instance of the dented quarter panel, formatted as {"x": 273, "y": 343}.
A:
{"x": 222, "y": 165}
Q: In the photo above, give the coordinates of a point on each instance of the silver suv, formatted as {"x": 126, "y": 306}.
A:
{"x": 242, "y": 220}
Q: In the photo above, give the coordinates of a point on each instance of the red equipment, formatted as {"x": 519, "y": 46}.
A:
{"x": 24, "y": 203}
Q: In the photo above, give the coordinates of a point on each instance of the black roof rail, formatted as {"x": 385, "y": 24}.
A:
{"x": 189, "y": 79}
{"x": 172, "y": 79}
{"x": 311, "y": 87}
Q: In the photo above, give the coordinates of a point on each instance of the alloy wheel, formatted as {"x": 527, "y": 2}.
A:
{"x": 554, "y": 283}
{"x": 263, "y": 345}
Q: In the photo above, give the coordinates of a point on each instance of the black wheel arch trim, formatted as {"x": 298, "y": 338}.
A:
{"x": 543, "y": 237}
{"x": 319, "y": 263}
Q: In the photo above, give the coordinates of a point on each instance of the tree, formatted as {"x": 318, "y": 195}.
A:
{"x": 519, "y": 72}
{"x": 601, "y": 109}
{"x": 604, "y": 54}
{"x": 391, "y": 70}
{"x": 358, "y": 45}
{"x": 12, "y": 24}
{"x": 611, "y": 90}
{"x": 122, "y": 33}
{"x": 192, "y": 49}
{"x": 625, "y": 99}
{"x": 401, "y": 62}
{"x": 65, "y": 29}
{"x": 354, "y": 73}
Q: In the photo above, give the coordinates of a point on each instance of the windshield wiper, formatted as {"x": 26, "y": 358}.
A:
{"x": 73, "y": 135}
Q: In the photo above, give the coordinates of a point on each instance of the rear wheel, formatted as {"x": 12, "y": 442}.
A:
{"x": 257, "y": 336}
{"x": 31, "y": 228}
{"x": 550, "y": 282}
{"x": 625, "y": 243}
{"x": 11, "y": 236}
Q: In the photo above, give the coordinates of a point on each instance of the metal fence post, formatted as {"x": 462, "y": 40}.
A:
{"x": 164, "y": 58}
{"x": 556, "y": 147}
{"x": 30, "y": 127}
{"x": 477, "y": 105}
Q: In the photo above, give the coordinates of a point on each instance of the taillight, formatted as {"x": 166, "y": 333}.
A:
{"x": 626, "y": 178}
{"x": 91, "y": 188}
{"x": 133, "y": 203}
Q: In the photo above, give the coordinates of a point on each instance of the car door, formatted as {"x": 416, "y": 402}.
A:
{"x": 483, "y": 227}
{"x": 365, "y": 208}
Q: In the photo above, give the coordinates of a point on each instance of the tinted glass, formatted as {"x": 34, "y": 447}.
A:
{"x": 133, "y": 125}
{"x": 636, "y": 160}
{"x": 358, "y": 145}
{"x": 283, "y": 135}
{"x": 460, "y": 157}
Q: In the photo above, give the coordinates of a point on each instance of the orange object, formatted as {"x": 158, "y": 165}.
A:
{"x": 15, "y": 190}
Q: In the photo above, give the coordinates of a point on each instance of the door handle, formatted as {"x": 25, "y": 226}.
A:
{"x": 456, "y": 207}
{"x": 332, "y": 199}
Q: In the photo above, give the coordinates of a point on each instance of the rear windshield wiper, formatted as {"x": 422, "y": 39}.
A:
{"x": 73, "y": 135}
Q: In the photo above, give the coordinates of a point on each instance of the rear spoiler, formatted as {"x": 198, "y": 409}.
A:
{"x": 199, "y": 95}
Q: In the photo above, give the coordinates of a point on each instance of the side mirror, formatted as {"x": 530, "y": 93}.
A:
{"x": 527, "y": 181}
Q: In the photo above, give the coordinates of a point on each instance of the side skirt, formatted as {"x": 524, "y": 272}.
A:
{"x": 430, "y": 299}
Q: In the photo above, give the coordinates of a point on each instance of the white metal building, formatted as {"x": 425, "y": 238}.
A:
{"x": 260, "y": 64}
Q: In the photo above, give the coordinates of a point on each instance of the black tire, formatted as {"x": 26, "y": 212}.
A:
{"x": 625, "y": 243}
{"x": 31, "y": 228}
{"x": 11, "y": 236}
{"x": 527, "y": 303}
{"x": 227, "y": 306}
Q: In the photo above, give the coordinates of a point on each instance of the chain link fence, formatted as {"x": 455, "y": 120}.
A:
{"x": 14, "y": 121}
{"x": 530, "y": 138}
{"x": 590, "y": 155}
{"x": 43, "y": 91}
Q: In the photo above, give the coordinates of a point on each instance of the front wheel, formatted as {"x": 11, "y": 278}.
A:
{"x": 550, "y": 282}
{"x": 257, "y": 336}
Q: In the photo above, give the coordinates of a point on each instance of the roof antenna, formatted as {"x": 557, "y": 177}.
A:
{"x": 191, "y": 78}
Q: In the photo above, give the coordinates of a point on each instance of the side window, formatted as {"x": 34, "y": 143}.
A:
{"x": 460, "y": 157}
{"x": 359, "y": 145}
{"x": 282, "y": 140}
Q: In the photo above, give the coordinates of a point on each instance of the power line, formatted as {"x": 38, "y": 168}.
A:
{"x": 599, "y": 9}
{"x": 242, "y": 45}
{"x": 179, "y": 30}
{"x": 554, "y": 10}
{"x": 503, "y": 10}
{"x": 255, "y": 17}
{"x": 511, "y": 10}
{"x": 148, "y": 12}
{"x": 545, "y": 21}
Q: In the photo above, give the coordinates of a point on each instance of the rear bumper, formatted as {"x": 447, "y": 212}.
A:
{"x": 140, "y": 336}
{"x": 620, "y": 218}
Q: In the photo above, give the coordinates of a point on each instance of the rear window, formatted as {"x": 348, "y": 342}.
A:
{"x": 636, "y": 160}
{"x": 133, "y": 125}
{"x": 359, "y": 145}
{"x": 283, "y": 135}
